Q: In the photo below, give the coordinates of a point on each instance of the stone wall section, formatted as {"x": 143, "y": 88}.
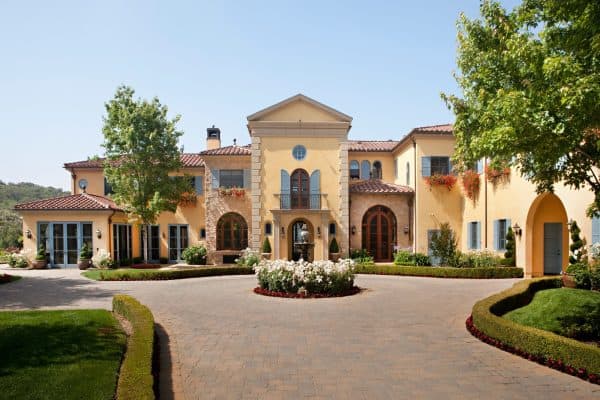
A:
{"x": 255, "y": 223}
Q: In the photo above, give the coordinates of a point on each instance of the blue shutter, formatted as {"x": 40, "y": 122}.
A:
{"x": 426, "y": 166}
{"x": 315, "y": 190}
{"x": 199, "y": 183}
{"x": 285, "y": 189}
{"x": 595, "y": 230}
{"x": 365, "y": 169}
{"x": 478, "y": 234}
{"x": 450, "y": 166}
{"x": 215, "y": 178}
{"x": 496, "y": 234}
{"x": 470, "y": 236}
{"x": 479, "y": 166}
{"x": 247, "y": 179}
{"x": 508, "y": 225}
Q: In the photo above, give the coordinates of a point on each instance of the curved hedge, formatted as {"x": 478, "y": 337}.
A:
{"x": 441, "y": 272}
{"x": 159, "y": 275}
{"x": 135, "y": 378}
{"x": 542, "y": 345}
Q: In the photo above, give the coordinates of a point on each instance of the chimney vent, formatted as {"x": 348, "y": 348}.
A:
{"x": 213, "y": 138}
{"x": 235, "y": 142}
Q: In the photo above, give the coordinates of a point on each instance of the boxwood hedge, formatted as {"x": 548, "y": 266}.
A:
{"x": 154, "y": 275}
{"x": 487, "y": 318}
{"x": 441, "y": 272}
{"x": 135, "y": 377}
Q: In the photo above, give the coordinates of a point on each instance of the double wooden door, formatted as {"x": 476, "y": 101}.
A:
{"x": 378, "y": 232}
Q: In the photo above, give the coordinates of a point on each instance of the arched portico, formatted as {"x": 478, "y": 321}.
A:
{"x": 546, "y": 237}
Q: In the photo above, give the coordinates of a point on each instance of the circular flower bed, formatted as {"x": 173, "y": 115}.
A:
{"x": 301, "y": 279}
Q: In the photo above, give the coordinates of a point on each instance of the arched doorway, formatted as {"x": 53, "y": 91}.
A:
{"x": 547, "y": 236}
{"x": 379, "y": 233}
{"x": 232, "y": 232}
{"x": 294, "y": 230}
{"x": 300, "y": 190}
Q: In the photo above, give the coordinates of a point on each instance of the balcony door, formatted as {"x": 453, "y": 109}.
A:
{"x": 300, "y": 189}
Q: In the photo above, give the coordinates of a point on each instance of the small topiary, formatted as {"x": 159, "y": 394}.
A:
{"x": 194, "y": 255}
{"x": 333, "y": 246}
{"x": 41, "y": 253}
{"x": 266, "y": 246}
{"x": 577, "y": 247}
{"x": 509, "y": 254}
{"x": 85, "y": 253}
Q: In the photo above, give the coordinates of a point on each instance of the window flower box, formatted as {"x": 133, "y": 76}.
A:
{"x": 187, "y": 199}
{"x": 496, "y": 175}
{"x": 234, "y": 192}
{"x": 441, "y": 180}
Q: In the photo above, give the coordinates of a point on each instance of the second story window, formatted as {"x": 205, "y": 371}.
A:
{"x": 435, "y": 166}
{"x": 354, "y": 170}
{"x": 377, "y": 173}
{"x": 107, "y": 188}
{"x": 229, "y": 178}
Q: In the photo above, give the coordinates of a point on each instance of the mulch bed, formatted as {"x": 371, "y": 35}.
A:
{"x": 266, "y": 292}
{"x": 548, "y": 362}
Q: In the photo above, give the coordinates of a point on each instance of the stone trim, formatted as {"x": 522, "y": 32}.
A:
{"x": 256, "y": 180}
{"x": 343, "y": 232}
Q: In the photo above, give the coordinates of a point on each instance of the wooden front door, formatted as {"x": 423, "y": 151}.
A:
{"x": 379, "y": 233}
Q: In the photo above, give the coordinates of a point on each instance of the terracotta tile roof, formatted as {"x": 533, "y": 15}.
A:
{"x": 189, "y": 160}
{"x": 378, "y": 186}
{"x": 445, "y": 128}
{"x": 228, "y": 151}
{"x": 372, "y": 145}
{"x": 84, "y": 201}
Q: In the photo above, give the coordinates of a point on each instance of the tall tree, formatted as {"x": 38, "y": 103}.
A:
{"x": 530, "y": 81}
{"x": 142, "y": 149}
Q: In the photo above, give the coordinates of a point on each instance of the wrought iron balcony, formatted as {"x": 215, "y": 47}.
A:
{"x": 301, "y": 201}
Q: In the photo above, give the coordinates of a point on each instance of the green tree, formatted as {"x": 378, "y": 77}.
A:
{"x": 142, "y": 148}
{"x": 509, "y": 254}
{"x": 443, "y": 244}
{"x": 530, "y": 81}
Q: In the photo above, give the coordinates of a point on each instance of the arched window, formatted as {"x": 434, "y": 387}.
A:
{"x": 376, "y": 174}
{"x": 300, "y": 191}
{"x": 354, "y": 170}
{"x": 365, "y": 169}
{"x": 232, "y": 232}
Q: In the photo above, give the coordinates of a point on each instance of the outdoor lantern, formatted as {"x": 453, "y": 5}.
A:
{"x": 353, "y": 230}
{"x": 406, "y": 228}
{"x": 517, "y": 230}
{"x": 28, "y": 233}
{"x": 318, "y": 231}
{"x": 282, "y": 231}
{"x": 98, "y": 233}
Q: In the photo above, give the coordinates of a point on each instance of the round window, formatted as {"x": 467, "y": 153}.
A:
{"x": 299, "y": 152}
{"x": 83, "y": 184}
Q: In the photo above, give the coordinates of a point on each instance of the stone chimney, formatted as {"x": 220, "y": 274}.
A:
{"x": 213, "y": 138}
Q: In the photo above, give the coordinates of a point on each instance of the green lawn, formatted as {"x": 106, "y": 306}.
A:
{"x": 568, "y": 312}
{"x": 59, "y": 354}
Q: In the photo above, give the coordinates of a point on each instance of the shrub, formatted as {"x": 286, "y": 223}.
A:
{"x": 583, "y": 275}
{"x": 361, "y": 256}
{"x": 509, "y": 254}
{"x": 319, "y": 277}
{"x": 194, "y": 255}
{"x": 248, "y": 258}
{"x": 266, "y": 246}
{"x": 164, "y": 275}
{"x": 85, "y": 253}
{"x": 405, "y": 257}
{"x": 135, "y": 378}
{"x": 333, "y": 246}
{"x": 595, "y": 279}
{"x": 138, "y": 260}
{"x": 443, "y": 245}
{"x": 19, "y": 260}
{"x": 441, "y": 272}
{"x": 479, "y": 259}
{"x": 578, "y": 245}
{"x": 543, "y": 345}
{"x": 103, "y": 260}
{"x": 41, "y": 253}
{"x": 422, "y": 260}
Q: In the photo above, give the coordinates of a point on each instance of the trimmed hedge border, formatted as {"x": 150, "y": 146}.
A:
{"x": 6, "y": 278}
{"x": 267, "y": 292}
{"x": 547, "y": 348}
{"x": 442, "y": 272}
{"x": 159, "y": 275}
{"x": 135, "y": 378}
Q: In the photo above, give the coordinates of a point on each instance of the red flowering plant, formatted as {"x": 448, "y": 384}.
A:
{"x": 441, "y": 180}
{"x": 238, "y": 192}
{"x": 223, "y": 191}
{"x": 496, "y": 175}
{"x": 470, "y": 181}
{"x": 188, "y": 199}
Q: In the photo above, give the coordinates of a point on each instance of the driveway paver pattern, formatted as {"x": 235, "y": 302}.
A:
{"x": 402, "y": 338}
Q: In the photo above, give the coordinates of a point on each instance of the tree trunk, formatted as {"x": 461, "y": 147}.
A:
{"x": 145, "y": 242}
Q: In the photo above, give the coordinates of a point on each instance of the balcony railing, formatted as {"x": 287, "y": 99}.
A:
{"x": 302, "y": 201}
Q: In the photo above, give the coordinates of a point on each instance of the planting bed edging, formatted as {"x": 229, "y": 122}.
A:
{"x": 441, "y": 272}
{"x": 157, "y": 275}
{"x": 547, "y": 348}
{"x": 267, "y": 292}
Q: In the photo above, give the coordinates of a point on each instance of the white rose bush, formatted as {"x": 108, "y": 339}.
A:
{"x": 306, "y": 279}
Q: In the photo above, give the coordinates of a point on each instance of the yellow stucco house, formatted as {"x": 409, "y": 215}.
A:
{"x": 301, "y": 169}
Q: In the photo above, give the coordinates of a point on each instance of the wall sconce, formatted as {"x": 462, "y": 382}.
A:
{"x": 28, "y": 233}
{"x": 517, "y": 229}
{"x": 353, "y": 230}
{"x": 318, "y": 231}
{"x": 98, "y": 233}
{"x": 282, "y": 231}
{"x": 406, "y": 229}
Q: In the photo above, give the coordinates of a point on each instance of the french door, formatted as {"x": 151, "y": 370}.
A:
{"x": 178, "y": 241}
{"x": 122, "y": 244}
{"x": 300, "y": 189}
{"x": 63, "y": 241}
{"x": 378, "y": 233}
{"x": 152, "y": 242}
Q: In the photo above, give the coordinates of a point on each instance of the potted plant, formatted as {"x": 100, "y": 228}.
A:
{"x": 334, "y": 250}
{"x": 266, "y": 249}
{"x": 85, "y": 256}
{"x": 40, "y": 258}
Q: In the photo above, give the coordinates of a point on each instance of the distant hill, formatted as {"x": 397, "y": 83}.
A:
{"x": 11, "y": 194}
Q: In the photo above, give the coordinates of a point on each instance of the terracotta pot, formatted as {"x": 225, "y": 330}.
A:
{"x": 84, "y": 264}
{"x": 334, "y": 256}
{"x": 568, "y": 281}
{"x": 265, "y": 256}
{"x": 39, "y": 264}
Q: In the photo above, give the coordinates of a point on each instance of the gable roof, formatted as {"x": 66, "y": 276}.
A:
{"x": 378, "y": 186}
{"x": 372, "y": 145}
{"x": 189, "y": 160}
{"x": 83, "y": 201}
{"x": 233, "y": 150}
{"x": 433, "y": 130}
{"x": 300, "y": 97}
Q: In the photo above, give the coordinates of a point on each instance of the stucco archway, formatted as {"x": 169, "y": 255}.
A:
{"x": 545, "y": 213}
{"x": 292, "y": 237}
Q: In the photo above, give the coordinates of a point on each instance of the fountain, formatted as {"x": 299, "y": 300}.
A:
{"x": 304, "y": 246}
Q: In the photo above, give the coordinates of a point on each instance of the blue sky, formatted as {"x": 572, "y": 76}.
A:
{"x": 384, "y": 63}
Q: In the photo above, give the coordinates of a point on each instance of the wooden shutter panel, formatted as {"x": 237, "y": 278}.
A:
{"x": 199, "y": 184}
{"x": 478, "y": 235}
{"x": 479, "y": 166}
{"x": 247, "y": 179}
{"x": 285, "y": 190}
{"x": 496, "y": 233}
{"x": 470, "y": 235}
{"x": 450, "y": 172}
{"x": 426, "y": 166}
{"x": 315, "y": 190}
{"x": 215, "y": 178}
{"x": 365, "y": 169}
{"x": 595, "y": 230}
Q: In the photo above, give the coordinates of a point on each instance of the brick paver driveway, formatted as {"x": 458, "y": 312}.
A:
{"x": 402, "y": 338}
